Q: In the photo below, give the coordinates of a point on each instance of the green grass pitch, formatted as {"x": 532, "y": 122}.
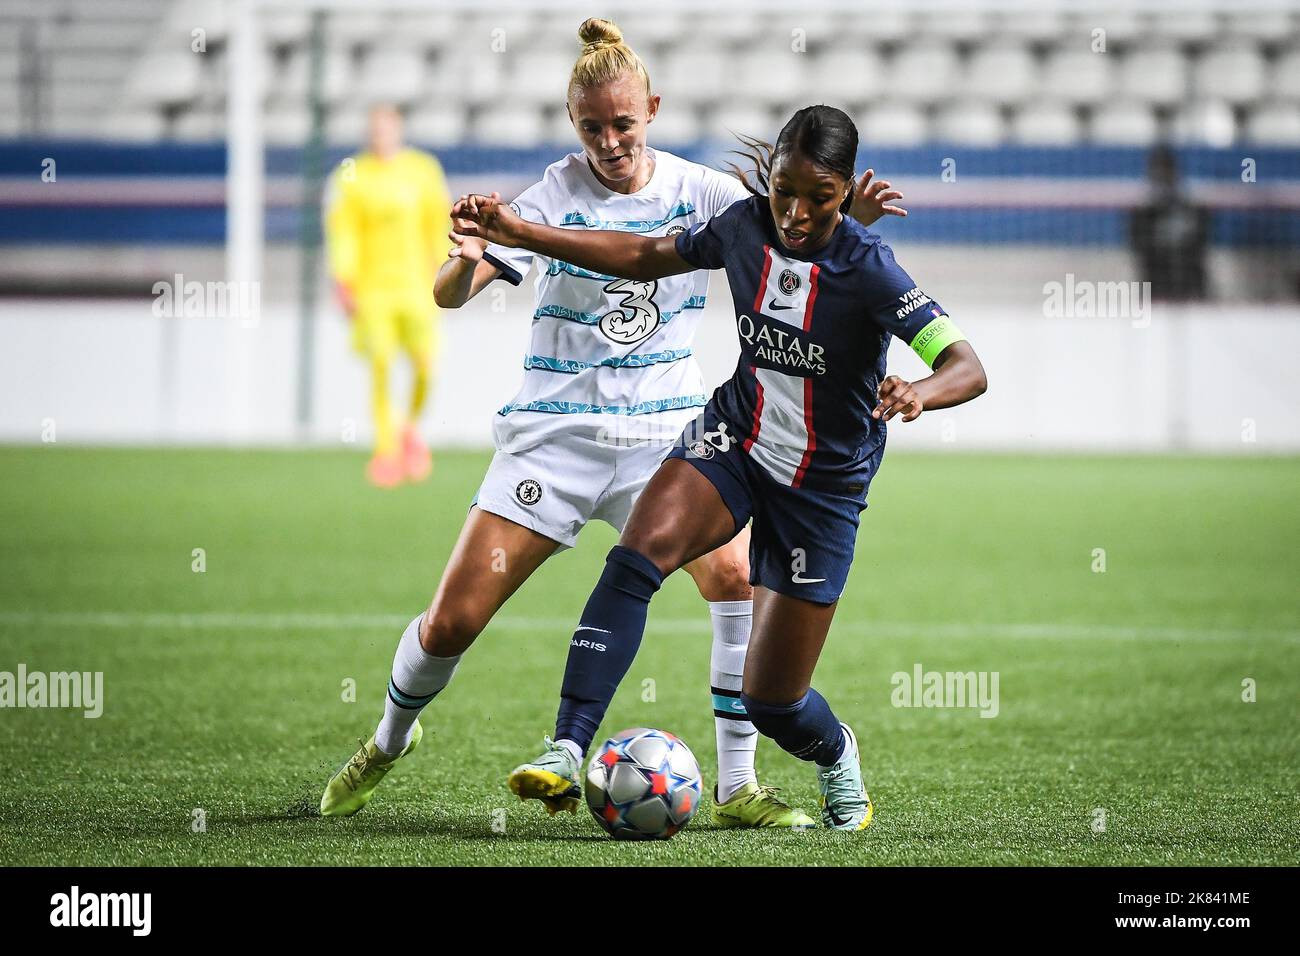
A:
{"x": 1121, "y": 737}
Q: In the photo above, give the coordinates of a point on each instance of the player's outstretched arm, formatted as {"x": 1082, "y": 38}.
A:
{"x": 958, "y": 377}
{"x": 619, "y": 254}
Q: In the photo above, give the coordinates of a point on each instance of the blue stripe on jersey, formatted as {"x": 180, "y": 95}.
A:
{"x": 627, "y": 225}
{"x": 593, "y": 318}
{"x": 556, "y": 267}
{"x": 573, "y": 366}
{"x": 582, "y": 408}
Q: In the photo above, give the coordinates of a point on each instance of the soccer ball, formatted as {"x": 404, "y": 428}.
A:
{"x": 643, "y": 784}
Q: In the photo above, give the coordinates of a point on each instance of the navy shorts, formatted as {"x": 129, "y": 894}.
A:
{"x": 801, "y": 543}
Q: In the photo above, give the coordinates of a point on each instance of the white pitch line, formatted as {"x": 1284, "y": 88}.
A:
{"x": 300, "y": 621}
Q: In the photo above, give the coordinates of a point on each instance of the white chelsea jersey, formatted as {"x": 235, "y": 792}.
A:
{"x": 611, "y": 357}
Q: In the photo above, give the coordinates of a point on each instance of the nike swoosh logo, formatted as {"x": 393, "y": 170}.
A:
{"x": 773, "y": 307}
{"x": 598, "y": 630}
{"x": 798, "y": 580}
{"x": 835, "y": 819}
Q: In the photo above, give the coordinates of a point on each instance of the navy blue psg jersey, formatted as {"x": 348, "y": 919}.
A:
{"x": 814, "y": 330}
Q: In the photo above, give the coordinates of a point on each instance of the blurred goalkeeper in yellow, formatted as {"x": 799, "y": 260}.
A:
{"x": 387, "y": 219}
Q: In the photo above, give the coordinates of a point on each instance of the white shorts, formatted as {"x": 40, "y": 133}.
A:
{"x": 556, "y": 487}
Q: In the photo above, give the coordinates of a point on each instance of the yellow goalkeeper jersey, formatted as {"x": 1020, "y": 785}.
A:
{"x": 386, "y": 223}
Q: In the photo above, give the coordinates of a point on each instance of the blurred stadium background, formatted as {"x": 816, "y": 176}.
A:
{"x": 147, "y": 141}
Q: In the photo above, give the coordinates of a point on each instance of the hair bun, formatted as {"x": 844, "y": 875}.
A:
{"x": 595, "y": 33}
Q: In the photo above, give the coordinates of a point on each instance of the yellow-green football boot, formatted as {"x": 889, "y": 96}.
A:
{"x": 552, "y": 778}
{"x": 754, "y": 805}
{"x": 352, "y": 787}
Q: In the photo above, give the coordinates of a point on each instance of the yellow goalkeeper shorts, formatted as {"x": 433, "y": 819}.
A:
{"x": 384, "y": 322}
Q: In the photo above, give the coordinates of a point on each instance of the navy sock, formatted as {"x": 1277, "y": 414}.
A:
{"x": 806, "y": 729}
{"x": 605, "y": 642}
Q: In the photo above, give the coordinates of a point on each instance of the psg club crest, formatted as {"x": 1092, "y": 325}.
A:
{"x": 700, "y": 449}
{"x": 789, "y": 281}
{"x": 637, "y": 316}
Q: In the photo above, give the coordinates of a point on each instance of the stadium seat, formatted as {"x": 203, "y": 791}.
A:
{"x": 164, "y": 79}
{"x": 1154, "y": 74}
{"x": 892, "y": 124}
{"x": 336, "y": 76}
{"x": 1124, "y": 123}
{"x": 922, "y": 72}
{"x": 959, "y": 24}
{"x": 726, "y": 29}
{"x": 539, "y": 77}
{"x": 1204, "y": 123}
{"x": 509, "y": 126}
{"x": 287, "y": 124}
{"x": 846, "y": 74}
{"x": 887, "y": 25}
{"x": 473, "y": 78}
{"x": 765, "y": 78}
{"x": 674, "y": 126}
{"x": 1185, "y": 25}
{"x": 1047, "y": 123}
{"x": 1121, "y": 27}
{"x": 71, "y": 123}
{"x": 1001, "y": 73}
{"x": 1284, "y": 81}
{"x": 1038, "y": 26}
{"x": 1233, "y": 72}
{"x": 283, "y": 26}
{"x": 817, "y": 31}
{"x": 689, "y": 75}
{"x": 1077, "y": 75}
{"x": 186, "y": 15}
{"x": 642, "y": 29}
{"x": 558, "y": 130}
{"x": 1274, "y": 124}
{"x": 969, "y": 123}
{"x": 392, "y": 75}
{"x": 1261, "y": 24}
{"x": 423, "y": 28}
{"x": 750, "y": 120}
{"x": 199, "y": 125}
{"x": 135, "y": 125}
{"x": 359, "y": 27}
{"x": 436, "y": 125}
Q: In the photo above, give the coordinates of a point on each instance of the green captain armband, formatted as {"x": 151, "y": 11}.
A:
{"x": 936, "y": 337}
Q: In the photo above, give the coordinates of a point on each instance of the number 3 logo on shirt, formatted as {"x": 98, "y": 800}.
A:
{"x": 637, "y": 316}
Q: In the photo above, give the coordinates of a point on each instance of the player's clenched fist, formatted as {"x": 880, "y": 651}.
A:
{"x": 897, "y": 397}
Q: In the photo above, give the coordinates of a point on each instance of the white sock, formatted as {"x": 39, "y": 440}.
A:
{"x": 737, "y": 738}
{"x": 417, "y": 678}
{"x": 572, "y": 747}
